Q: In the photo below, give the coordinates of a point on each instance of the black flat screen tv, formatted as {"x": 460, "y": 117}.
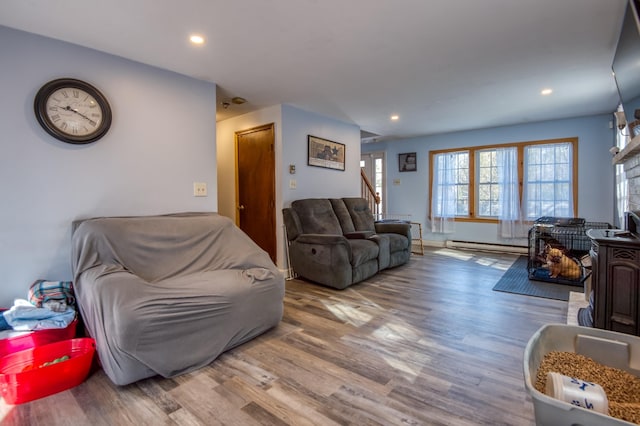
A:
{"x": 626, "y": 63}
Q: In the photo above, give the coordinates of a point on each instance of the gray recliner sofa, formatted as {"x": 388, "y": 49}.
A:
{"x": 336, "y": 242}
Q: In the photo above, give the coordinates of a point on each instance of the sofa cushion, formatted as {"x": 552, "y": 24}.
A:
{"x": 317, "y": 216}
{"x": 360, "y": 214}
{"x": 397, "y": 242}
{"x": 343, "y": 215}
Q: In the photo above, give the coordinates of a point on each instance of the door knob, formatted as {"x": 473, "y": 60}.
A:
{"x": 240, "y": 207}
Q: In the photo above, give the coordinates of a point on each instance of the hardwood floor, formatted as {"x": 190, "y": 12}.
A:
{"x": 426, "y": 343}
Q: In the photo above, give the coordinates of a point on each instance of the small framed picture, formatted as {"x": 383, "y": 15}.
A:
{"x": 407, "y": 162}
{"x": 325, "y": 153}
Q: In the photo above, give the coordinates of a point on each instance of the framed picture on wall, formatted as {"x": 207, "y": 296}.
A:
{"x": 326, "y": 153}
{"x": 407, "y": 162}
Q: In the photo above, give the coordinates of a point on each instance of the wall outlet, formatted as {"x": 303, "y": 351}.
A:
{"x": 199, "y": 189}
{"x": 396, "y": 182}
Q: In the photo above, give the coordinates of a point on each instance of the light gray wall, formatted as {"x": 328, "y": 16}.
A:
{"x": 162, "y": 139}
{"x": 595, "y": 171}
{"x": 311, "y": 181}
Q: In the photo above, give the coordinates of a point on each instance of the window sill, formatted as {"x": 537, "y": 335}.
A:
{"x": 476, "y": 219}
{"x": 484, "y": 220}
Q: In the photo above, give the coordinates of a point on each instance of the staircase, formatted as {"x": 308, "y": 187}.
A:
{"x": 369, "y": 194}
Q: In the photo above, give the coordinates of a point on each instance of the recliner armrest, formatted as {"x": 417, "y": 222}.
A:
{"x": 402, "y": 228}
{"x": 359, "y": 235}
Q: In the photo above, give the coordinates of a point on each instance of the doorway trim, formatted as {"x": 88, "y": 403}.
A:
{"x": 272, "y": 186}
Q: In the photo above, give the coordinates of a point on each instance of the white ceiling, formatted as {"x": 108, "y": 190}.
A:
{"x": 441, "y": 65}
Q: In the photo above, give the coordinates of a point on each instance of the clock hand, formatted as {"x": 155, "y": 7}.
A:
{"x": 68, "y": 108}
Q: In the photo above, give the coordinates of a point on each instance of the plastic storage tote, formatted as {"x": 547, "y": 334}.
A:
{"x": 19, "y": 340}
{"x": 24, "y": 376}
{"x": 606, "y": 347}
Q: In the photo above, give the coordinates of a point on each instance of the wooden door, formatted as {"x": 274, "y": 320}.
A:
{"x": 256, "y": 186}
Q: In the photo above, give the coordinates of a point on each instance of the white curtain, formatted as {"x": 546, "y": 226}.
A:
{"x": 622, "y": 185}
{"x": 510, "y": 222}
{"x": 443, "y": 199}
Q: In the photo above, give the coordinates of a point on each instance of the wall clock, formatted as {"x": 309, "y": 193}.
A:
{"x": 72, "y": 111}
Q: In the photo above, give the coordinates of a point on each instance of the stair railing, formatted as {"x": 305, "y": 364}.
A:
{"x": 370, "y": 194}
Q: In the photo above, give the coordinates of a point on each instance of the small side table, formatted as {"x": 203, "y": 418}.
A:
{"x": 419, "y": 251}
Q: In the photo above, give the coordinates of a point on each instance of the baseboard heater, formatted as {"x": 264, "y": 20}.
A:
{"x": 470, "y": 245}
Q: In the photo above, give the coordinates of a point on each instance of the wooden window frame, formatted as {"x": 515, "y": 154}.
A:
{"x": 472, "y": 173}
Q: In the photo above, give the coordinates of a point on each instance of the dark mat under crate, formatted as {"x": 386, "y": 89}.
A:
{"x": 516, "y": 280}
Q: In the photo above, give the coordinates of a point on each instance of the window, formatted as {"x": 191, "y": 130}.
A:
{"x": 479, "y": 179}
{"x": 488, "y": 193}
{"x": 548, "y": 189}
{"x": 452, "y": 182}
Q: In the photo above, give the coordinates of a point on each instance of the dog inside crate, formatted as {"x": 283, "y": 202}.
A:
{"x": 559, "y": 249}
{"x": 561, "y": 265}
{"x": 552, "y": 258}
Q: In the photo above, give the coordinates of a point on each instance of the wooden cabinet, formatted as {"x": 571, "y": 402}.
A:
{"x": 615, "y": 257}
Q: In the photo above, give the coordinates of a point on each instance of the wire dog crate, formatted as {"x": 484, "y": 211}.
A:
{"x": 557, "y": 247}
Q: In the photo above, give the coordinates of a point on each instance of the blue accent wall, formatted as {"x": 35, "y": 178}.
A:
{"x": 595, "y": 171}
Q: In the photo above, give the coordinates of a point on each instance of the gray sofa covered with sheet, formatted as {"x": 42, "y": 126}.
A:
{"x": 165, "y": 295}
{"x": 336, "y": 242}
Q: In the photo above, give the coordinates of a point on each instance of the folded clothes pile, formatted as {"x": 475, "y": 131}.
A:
{"x": 24, "y": 316}
{"x": 51, "y": 304}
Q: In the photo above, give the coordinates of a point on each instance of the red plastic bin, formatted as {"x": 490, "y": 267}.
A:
{"x": 30, "y": 339}
{"x": 23, "y": 378}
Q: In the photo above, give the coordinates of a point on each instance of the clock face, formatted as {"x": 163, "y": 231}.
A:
{"x": 72, "y": 111}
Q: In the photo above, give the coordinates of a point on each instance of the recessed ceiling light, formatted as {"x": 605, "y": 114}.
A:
{"x": 196, "y": 39}
{"x": 546, "y": 92}
{"x": 395, "y": 117}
